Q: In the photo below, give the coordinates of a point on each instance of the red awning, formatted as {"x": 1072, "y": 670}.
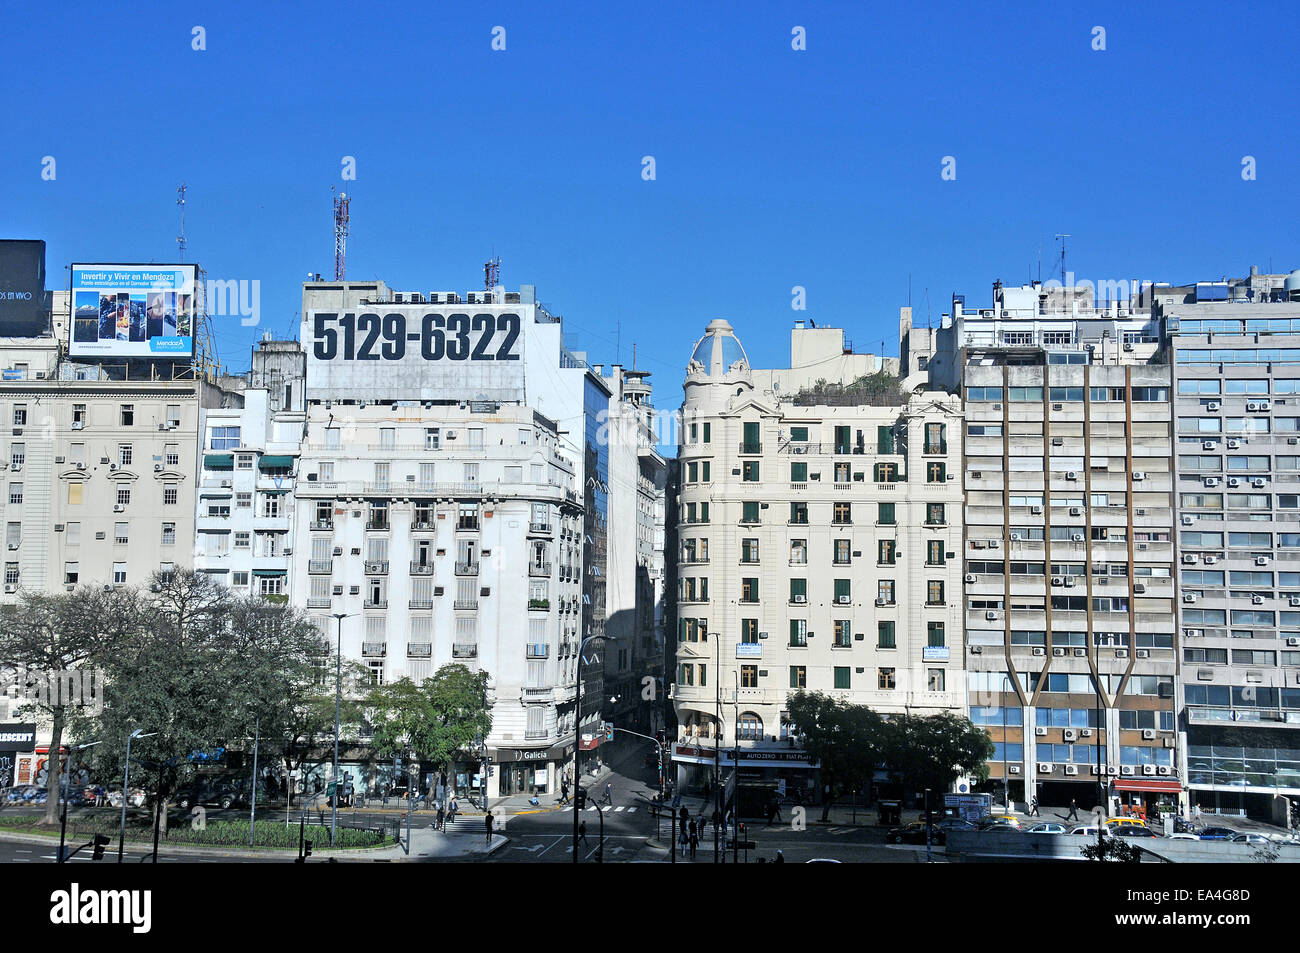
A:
{"x": 1161, "y": 787}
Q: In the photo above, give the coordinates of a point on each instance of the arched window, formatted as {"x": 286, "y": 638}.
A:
{"x": 750, "y": 727}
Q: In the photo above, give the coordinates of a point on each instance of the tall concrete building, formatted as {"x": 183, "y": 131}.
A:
{"x": 1069, "y": 552}
{"x": 1235, "y": 347}
{"x": 818, "y": 549}
{"x": 452, "y": 505}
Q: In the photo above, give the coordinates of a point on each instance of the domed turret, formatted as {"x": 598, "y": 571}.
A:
{"x": 719, "y": 353}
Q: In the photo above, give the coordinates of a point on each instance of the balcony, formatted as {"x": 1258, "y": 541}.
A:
{"x": 542, "y": 604}
{"x": 538, "y": 650}
{"x": 421, "y": 569}
{"x": 540, "y": 528}
{"x": 467, "y": 569}
{"x": 464, "y": 650}
{"x": 419, "y": 649}
{"x": 320, "y": 566}
{"x": 423, "y": 523}
{"x": 467, "y": 524}
{"x": 382, "y": 526}
{"x": 375, "y": 603}
{"x": 322, "y": 526}
{"x": 530, "y": 694}
{"x": 466, "y": 604}
{"x": 379, "y": 568}
{"x": 539, "y": 569}
{"x": 420, "y": 604}
{"x": 802, "y": 448}
{"x": 318, "y": 602}
{"x": 751, "y": 447}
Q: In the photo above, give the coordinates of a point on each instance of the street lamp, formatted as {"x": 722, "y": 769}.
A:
{"x": 126, "y": 775}
{"x": 63, "y": 826}
{"x": 577, "y": 741}
{"x": 338, "y": 700}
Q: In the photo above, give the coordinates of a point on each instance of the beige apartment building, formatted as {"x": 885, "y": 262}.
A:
{"x": 819, "y": 549}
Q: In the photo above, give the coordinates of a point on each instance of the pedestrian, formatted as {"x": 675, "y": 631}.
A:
{"x": 582, "y": 833}
{"x": 693, "y": 827}
{"x": 608, "y": 799}
{"x": 440, "y": 818}
{"x": 564, "y": 790}
{"x": 452, "y": 807}
{"x": 1033, "y": 806}
{"x": 695, "y": 843}
{"x": 780, "y": 858}
{"x": 1197, "y": 811}
{"x": 1074, "y": 810}
{"x": 487, "y": 822}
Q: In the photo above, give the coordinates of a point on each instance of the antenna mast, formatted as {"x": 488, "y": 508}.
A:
{"x": 1061, "y": 239}
{"x": 492, "y": 273}
{"x": 180, "y": 239}
{"x": 341, "y": 226}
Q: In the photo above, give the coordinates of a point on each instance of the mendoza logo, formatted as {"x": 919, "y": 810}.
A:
{"x": 76, "y": 907}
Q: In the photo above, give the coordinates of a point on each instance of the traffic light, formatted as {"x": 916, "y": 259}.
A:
{"x": 101, "y": 841}
{"x": 306, "y": 852}
{"x": 581, "y": 797}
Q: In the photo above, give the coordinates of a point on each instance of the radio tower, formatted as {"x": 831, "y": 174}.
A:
{"x": 492, "y": 273}
{"x": 180, "y": 200}
{"x": 341, "y": 202}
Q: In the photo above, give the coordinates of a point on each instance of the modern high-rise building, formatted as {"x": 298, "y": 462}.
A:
{"x": 819, "y": 549}
{"x": 1069, "y": 520}
{"x": 1235, "y": 347}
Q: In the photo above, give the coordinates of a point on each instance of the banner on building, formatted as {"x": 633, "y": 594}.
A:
{"x": 124, "y": 311}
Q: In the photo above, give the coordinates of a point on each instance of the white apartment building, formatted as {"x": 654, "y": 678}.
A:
{"x": 819, "y": 534}
{"x": 451, "y": 505}
{"x": 1235, "y": 350}
{"x": 245, "y": 500}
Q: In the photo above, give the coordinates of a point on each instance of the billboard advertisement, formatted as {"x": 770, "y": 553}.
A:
{"x": 22, "y": 289}
{"x": 426, "y": 352}
{"x": 125, "y": 311}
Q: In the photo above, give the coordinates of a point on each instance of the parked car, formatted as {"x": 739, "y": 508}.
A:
{"x": 1086, "y": 830}
{"x": 1125, "y": 822}
{"x": 1047, "y": 829}
{"x": 1132, "y": 830}
{"x": 1001, "y": 822}
{"x": 913, "y": 833}
{"x": 1216, "y": 833}
{"x": 1250, "y": 838}
{"x": 1183, "y": 835}
{"x": 210, "y": 792}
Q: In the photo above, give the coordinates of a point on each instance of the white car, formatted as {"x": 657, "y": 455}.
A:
{"x": 1048, "y": 829}
{"x": 1086, "y": 831}
{"x": 1182, "y": 836}
{"x": 1251, "y": 839}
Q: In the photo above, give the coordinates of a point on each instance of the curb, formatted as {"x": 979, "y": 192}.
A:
{"x": 196, "y": 851}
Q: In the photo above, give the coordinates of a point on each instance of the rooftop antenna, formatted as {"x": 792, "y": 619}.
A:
{"x": 1061, "y": 239}
{"x": 492, "y": 273}
{"x": 341, "y": 227}
{"x": 180, "y": 200}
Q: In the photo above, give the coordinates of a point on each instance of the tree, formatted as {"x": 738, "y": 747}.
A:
{"x": 309, "y": 737}
{"x": 437, "y": 720}
{"x": 931, "y": 751}
{"x": 846, "y": 740}
{"x": 1113, "y": 849}
{"x": 49, "y": 642}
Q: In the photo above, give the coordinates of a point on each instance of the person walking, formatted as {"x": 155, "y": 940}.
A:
{"x": 487, "y": 822}
{"x": 694, "y": 843}
{"x": 1074, "y": 810}
{"x": 564, "y": 790}
{"x": 440, "y": 818}
{"x": 608, "y": 799}
{"x": 452, "y": 807}
{"x": 1033, "y": 807}
{"x": 582, "y": 833}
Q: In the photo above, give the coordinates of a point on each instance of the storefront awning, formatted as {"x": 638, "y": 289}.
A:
{"x": 219, "y": 461}
{"x": 268, "y": 572}
{"x": 272, "y": 461}
{"x": 1158, "y": 787}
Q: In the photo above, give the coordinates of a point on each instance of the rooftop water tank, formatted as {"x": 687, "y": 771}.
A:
{"x": 1292, "y": 286}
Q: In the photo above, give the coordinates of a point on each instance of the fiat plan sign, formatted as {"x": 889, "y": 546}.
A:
{"x": 404, "y": 351}
{"x": 132, "y": 311}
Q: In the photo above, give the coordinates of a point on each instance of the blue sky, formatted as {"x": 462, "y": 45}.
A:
{"x": 775, "y": 168}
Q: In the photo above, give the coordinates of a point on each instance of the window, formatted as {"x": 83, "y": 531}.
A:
{"x": 749, "y": 511}
{"x": 934, "y": 514}
{"x": 708, "y": 437}
{"x": 476, "y": 438}
{"x": 749, "y": 589}
{"x": 842, "y": 513}
{"x": 886, "y": 472}
{"x": 749, "y": 471}
{"x": 71, "y": 573}
{"x": 885, "y": 439}
{"x": 799, "y": 633}
{"x": 225, "y": 438}
{"x": 20, "y": 415}
{"x": 243, "y": 461}
{"x": 886, "y": 551}
{"x": 843, "y": 633}
{"x": 984, "y": 393}
{"x": 935, "y": 635}
{"x": 936, "y": 680}
{"x": 432, "y": 438}
{"x": 271, "y": 505}
{"x": 168, "y": 534}
{"x": 798, "y": 513}
{"x": 170, "y": 494}
{"x": 749, "y": 678}
{"x": 885, "y": 679}
{"x": 172, "y": 455}
{"x": 885, "y": 635}
{"x": 123, "y": 495}
{"x": 798, "y": 473}
{"x": 751, "y": 442}
{"x": 749, "y": 550}
{"x": 936, "y": 472}
{"x": 842, "y": 676}
{"x": 842, "y": 552}
{"x": 798, "y": 591}
{"x": 936, "y": 438}
{"x": 74, "y": 494}
{"x": 749, "y": 631}
{"x": 798, "y": 676}
{"x": 934, "y": 594}
{"x": 242, "y": 541}
{"x": 798, "y": 552}
{"x": 79, "y": 415}
{"x": 885, "y": 514}
{"x": 15, "y": 493}
{"x": 885, "y": 591}
{"x": 17, "y": 455}
{"x": 119, "y": 574}
{"x": 934, "y": 552}
{"x": 243, "y": 501}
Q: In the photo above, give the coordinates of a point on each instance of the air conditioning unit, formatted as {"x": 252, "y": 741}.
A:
{"x": 112, "y": 466}
{"x": 1234, "y": 444}
{"x": 1193, "y": 633}
{"x": 78, "y": 425}
{"x": 1013, "y": 768}
{"x": 977, "y": 650}
{"x": 1211, "y": 481}
{"x": 970, "y": 577}
{"x": 1213, "y": 405}
{"x": 1041, "y": 731}
{"x": 1266, "y": 405}
{"x": 1069, "y": 734}
{"x": 225, "y": 484}
{"x": 1187, "y": 521}
{"x": 1188, "y": 559}
{"x": 1128, "y": 346}
{"x": 13, "y": 546}
{"x": 1252, "y": 405}
{"x": 1258, "y": 483}
{"x": 991, "y": 615}
{"x": 1148, "y": 769}
{"x": 1058, "y": 581}
{"x": 1295, "y": 600}
{"x": 1077, "y": 537}
{"x": 1143, "y": 653}
{"x": 1121, "y": 653}
{"x": 1076, "y": 511}
{"x": 1293, "y": 642}
{"x": 1139, "y": 475}
{"x": 1257, "y": 600}
{"x": 1073, "y": 769}
{"x": 1208, "y": 444}
{"x": 1085, "y": 732}
{"x": 1211, "y": 560}
{"x": 1148, "y": 734}
{"x": 799, "y": 599}
{"x": 1036, "y": 510}
{"x": 157, "y": 468}
{"x": 882, "y": 602}
{"x": 10, "y": 587}
{"x": 338, "y": 590}
{"x": 1044, "y": 767}
{"x": 1126, "y": 769}
{"x": 1139, "y": 588}
{"x": 1233, "y": 482}
{"x": 1071, "y": 475}
{"x": 1016, "y": 537}
{"x": 842, "y": 600}
{"x": 119, "y": 508}
{"x": 1058, "y": 652}
{"x": 80, "y": 466}
{"x": 338, "y": 550}
{"x": 1164, "y": 770}
{"x": 1039, "y": 650}
{"x": 1189, "y": 597}
{"x": 1080, "y": 653}
{"x": 976, "y": 475}
{"x": 1261, "y": 560}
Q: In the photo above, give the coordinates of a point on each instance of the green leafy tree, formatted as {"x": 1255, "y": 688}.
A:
{"x": 43, "y": 638}
{"x": 845, "y": 739}
{"x": 931, "y": 751}
{"x": 1113, "y": 850}
{"x": 436, "y": 721}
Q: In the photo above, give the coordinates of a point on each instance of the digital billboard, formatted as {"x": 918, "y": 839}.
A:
{"x": 22, "y": 289}
{"x": 132, "y": 311}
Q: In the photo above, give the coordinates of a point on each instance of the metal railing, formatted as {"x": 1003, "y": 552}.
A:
{"x": 467, "y": 569}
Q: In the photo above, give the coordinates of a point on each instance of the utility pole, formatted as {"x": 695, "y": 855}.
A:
{"x": 1061, "y": 238}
